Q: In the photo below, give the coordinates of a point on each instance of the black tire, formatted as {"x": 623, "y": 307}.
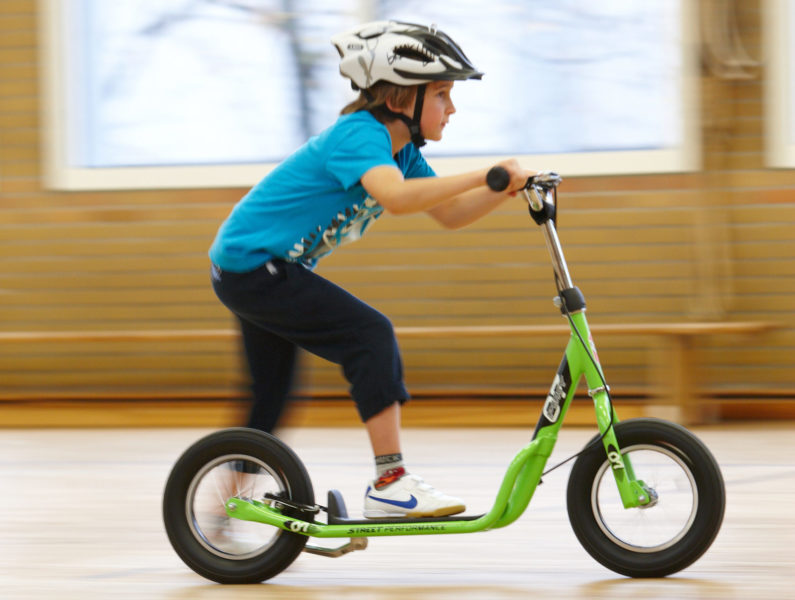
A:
{"x": 233, "y": 462}
{"x": 691, "y": 498}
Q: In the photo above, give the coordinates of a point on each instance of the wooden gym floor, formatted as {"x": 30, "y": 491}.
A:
{"x": 80, "y": 518}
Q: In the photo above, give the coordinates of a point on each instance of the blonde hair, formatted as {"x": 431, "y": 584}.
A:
{"x": 374, "y": 100}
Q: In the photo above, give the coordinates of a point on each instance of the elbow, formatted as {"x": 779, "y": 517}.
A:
{"x": 394, "y": 206}
{"x": 396, "y": 210}
{"x": 448, "y": 221}
{"x": 452, "y": 225}
{"x": 390, "y": 204}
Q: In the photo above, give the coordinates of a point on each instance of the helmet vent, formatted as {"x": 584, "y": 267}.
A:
{"x": 414, "y": 52}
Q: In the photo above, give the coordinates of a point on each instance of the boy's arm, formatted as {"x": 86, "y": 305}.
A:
{"x": 468, "y": 207}
{"x": 454, "y": 200}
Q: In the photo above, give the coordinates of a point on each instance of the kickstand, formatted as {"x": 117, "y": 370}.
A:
{"x": 337, "y": 510}
{"x": 351, "y": 546}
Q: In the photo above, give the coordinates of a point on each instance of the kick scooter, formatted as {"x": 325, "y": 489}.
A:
{"x": 645, "y": 497}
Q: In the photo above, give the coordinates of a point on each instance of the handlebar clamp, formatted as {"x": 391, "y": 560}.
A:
{"x": 545, "y": 180}
{"x": 547, "y": 213}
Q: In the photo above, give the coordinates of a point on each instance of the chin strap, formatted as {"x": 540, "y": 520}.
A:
{"x": 413, "y": 123}
{"x": 416, "y": 135}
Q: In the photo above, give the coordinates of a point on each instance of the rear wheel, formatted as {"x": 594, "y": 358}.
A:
{"x": 234, "y": 462}
{"x": 679, "y": 524}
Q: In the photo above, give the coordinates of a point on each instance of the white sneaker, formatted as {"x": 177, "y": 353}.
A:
{"x": 409, "y": 496}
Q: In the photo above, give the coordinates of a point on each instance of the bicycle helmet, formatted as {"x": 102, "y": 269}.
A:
{"x": 403, "y": 54}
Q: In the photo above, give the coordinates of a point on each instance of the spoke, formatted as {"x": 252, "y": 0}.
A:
{"x": 225, "y": 477}
{"x": 218, "y": 488}
{"x": 657, "y": 526}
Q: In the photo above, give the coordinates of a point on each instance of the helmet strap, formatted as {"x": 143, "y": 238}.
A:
{"x": 367, "y": 95}
{"x": 414, "y": 128}
{"x": 412, "y": 123}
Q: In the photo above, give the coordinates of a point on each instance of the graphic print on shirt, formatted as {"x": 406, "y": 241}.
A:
{"x": 345, "y": 228}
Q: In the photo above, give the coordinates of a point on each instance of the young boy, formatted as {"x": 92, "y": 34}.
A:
{"x": 327, "y": 194}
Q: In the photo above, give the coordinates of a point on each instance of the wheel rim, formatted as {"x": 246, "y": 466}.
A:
{"x": 657, "y": 527}
{"x": 226, "y": 476}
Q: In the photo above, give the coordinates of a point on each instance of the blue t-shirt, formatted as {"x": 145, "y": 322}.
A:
{"x": 313, "y": 201}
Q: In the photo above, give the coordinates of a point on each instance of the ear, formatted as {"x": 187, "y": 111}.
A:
{"x": 390, "y": 104}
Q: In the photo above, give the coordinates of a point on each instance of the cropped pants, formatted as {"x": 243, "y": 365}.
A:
{"x": 284, "y": 306}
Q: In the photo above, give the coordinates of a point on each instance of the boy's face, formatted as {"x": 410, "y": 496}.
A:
{"x": 436, "y": 109}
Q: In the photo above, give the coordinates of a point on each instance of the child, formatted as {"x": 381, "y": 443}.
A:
{"x": 327, "y": 194}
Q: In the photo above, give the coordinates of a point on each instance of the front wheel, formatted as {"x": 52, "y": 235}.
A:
{"x": 233, "y": 462}
{"x": 680, "y": 523}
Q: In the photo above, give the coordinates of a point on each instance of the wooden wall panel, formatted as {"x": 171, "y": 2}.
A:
{"x": 715, "y": 244}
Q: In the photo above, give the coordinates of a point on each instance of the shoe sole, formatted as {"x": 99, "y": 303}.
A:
{"x": 439, "y": 512}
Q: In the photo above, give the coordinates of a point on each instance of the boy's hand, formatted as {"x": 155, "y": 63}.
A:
{"x": 518, "y": 175}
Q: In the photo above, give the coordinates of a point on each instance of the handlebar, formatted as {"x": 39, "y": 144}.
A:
{"x": 498, "y": 179}
{"x": 539, "y": 190}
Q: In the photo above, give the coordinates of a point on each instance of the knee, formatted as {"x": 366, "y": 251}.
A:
{"x": 375, "y": 359}
{"x": 377, "y": 339}
{"x": 379, "y": 327}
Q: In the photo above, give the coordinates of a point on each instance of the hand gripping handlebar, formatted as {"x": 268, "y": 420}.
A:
{"x": 498, "y": 179}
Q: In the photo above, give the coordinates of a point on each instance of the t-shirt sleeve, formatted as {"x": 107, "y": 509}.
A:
{"x": 413, "y": 164}
{"x": 357, "y": 152}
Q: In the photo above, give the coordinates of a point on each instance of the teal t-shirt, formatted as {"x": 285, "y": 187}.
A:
{"x": 313, "y": 201}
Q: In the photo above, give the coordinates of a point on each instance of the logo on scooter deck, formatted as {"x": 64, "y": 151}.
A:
{"x": 396, "y": 528}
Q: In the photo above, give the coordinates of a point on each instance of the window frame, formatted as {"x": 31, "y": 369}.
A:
{"x": 59, "y": 175}
{"x": 779, "y": 35}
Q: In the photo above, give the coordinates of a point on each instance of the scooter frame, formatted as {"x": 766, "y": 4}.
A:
{"x": 523, "y": 475}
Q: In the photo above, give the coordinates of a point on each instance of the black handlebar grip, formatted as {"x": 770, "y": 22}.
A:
{"x": 498, "y": 179}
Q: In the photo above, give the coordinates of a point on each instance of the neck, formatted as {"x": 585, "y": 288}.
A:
{"x": 399, "y": 133}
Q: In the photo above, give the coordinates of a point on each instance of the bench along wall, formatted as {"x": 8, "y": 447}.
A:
{"x": 713, "y": 245}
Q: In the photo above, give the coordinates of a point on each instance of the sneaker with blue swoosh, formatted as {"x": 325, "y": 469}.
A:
{"x": 409, "y": 496}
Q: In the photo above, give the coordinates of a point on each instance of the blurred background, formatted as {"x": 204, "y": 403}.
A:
{"x": 128, "y": 130}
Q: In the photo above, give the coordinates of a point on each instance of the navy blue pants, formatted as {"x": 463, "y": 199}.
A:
{"x": 283, "y": 306}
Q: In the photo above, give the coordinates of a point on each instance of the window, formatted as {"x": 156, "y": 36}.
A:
{"x": 197, "y": 93}
{"x": 780, "y": 93}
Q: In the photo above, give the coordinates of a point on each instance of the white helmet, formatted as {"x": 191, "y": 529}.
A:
{"x": 401, "y": 53}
